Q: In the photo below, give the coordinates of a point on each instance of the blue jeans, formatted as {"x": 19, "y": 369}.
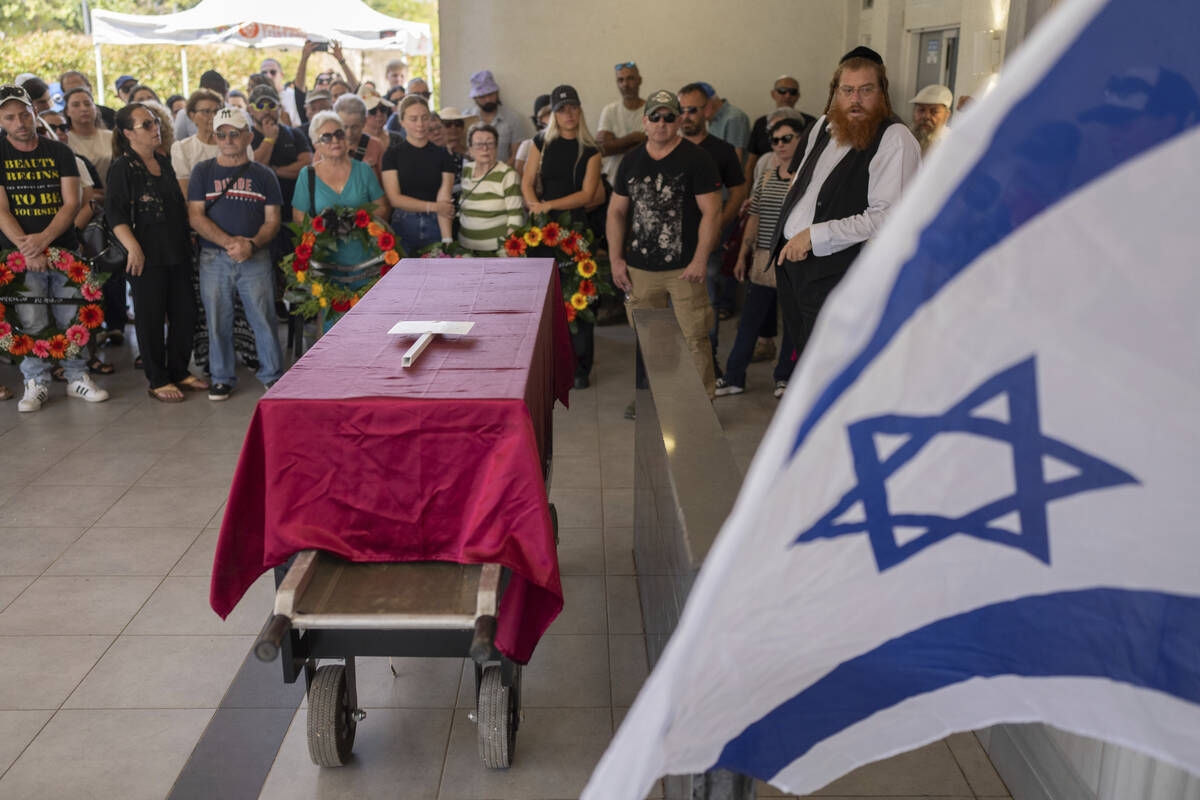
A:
{"x": 415, "y": 229}
{"x": 760, "y": 301}
{"x": 722, "y": 289}
{"x": 35, "y": 319}
{"x": 220, "y": 277}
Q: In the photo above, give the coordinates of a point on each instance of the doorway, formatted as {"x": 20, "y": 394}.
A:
{"x": 937, "y": 58}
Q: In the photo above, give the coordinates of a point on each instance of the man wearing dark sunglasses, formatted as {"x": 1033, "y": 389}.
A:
{"x": 281, "y": 147}
{"x": 662, "y": 224}
{"x": 785, "y": 93}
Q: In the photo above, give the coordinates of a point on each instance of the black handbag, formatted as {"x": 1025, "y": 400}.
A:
{"x": 101, "y": 246}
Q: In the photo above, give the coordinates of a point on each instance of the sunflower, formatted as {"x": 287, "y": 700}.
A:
{"x": 579, "y": 301}
{"x": 300, "y": 276}
{"x": 533, "y": 236}
{"x": 317, "y": 290}
{"x": 586, "y": 268}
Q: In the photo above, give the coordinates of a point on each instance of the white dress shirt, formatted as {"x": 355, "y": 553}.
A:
{"x": 890, "y": 170}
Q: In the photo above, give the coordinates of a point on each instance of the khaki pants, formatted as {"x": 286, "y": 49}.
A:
{"x": 692, "y": 310}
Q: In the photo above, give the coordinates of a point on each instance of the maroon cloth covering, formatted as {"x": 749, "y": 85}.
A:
{"x": 354, "y": 454}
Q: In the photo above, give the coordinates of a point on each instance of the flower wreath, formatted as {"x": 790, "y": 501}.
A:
{"x": 315, "y": 239}
{"x": 570, "y": 245}
{"x": 444, "y": 250}
{"x": 52, "y": 343}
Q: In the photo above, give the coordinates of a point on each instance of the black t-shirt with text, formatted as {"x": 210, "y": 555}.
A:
{"x": 289, "y": 144}
{"x": 663, "y": 218}
{"x": 32, "y": 182}
{"x": 419, "y": 169}
{"x": 563, "y": 165}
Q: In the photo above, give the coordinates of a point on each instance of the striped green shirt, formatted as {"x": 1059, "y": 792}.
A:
{"x": 491, "y": 206}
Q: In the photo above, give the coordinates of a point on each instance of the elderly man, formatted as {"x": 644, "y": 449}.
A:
{"x": 857, "y": 162}
{"x": 726, "y": 121}
{"x": 233, "y": 203}
{"x": 486, "y": 94}
{"x": 931, "y": 111}
{"x": 785, "y": 93}
{"x": 39, "y": 197}
{"x": 662, "y": 224}
{"x": 621, "y": 120}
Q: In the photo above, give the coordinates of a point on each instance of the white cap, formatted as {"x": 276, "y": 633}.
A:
{"x": 230, "y": 116}
{"x": 451, "y": 113}
{"x": 935, "y": 93}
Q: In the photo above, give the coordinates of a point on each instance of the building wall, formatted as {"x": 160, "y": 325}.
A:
{"x": 534, "y": 45}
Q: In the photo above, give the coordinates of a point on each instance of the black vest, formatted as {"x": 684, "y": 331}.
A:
{"x": 844, "y": 194}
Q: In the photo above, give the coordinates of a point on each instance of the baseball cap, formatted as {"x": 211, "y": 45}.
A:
{"x": 563, "y": 95}
{"x": 935, "y": 94}
{"x": 318, "y": 94}
{"x": 661, "y": 99}
{"x": 261, "y": 93}
{"x": 372, "y": 101}
{"x": 229, "y": 116}
{"x": 124, "y": 79}
{"x": 13, "y": 92}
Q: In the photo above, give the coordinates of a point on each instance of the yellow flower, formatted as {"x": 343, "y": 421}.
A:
{"x": 587, "y": 268}
{"x": 317, "y": 290}
{"x": 579, "y": 301}
{"x": 300, "y": 276}
{"x": 323, "y": 302}
{"x": 533, "y": 237}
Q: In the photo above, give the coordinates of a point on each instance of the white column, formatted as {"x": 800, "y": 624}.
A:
{"x": 183, "y": 66}
{"x": 99, "y": 78}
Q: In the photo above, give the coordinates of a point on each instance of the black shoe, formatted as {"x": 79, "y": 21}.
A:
{"x": 631, "y": 411}
{"x": 220, "y": 391}
{"x": 582, "y": 382}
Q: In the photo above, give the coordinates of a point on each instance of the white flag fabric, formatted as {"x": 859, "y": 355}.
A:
{"x": 978, "y": 501}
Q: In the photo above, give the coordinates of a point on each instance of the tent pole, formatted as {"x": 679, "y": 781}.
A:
{"x": 183, "y": 65}
{"x": 432, "y": 86}
{"x": 99, "y": 77}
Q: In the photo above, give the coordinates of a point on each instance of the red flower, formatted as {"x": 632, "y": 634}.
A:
{"x": 304, "y": 252}
{"x": 386, "y": 241}
{"x": 570, "y": 312}
{"x": 15, "y": 261}
{"x": 6, "y": 275}
{"x": 515, "y": 246}
{"x": 21, "y": 345}
{"x": 90, "y": 292}
{"x": 58, "y": 346}
{"x": 78, "y": 335}
{"x": 551, "y": 232}
{"x": 588, "y": 288}
{"x": 3, "y": 310}
{"x": 318, "y": 224}
{"x": 5, "y": 329}
{"x": 90, "y": 316}
{"x": 361, "y": 219}
{"x": 77, "y": 272}
{"x": 299, "y": 265}
{"x": 340, "y": 305}
{"x": 41, "y": 348}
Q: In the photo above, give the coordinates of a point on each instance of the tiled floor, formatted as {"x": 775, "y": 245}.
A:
{"x": 114, "y": 665}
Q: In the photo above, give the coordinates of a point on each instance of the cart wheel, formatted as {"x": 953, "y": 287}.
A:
{"x": 331, "y": 722}
{"x": 497, "y": 718}
{"x": 554, "y": 522}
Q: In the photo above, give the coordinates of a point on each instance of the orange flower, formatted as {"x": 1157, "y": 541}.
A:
{"x": 570, "y": 312}
{"x": 58, "y": 346}
{"x": 587, "y": 288}
{"x": 308, "y": 238}
{"x": 514, "y": 246}
{"x": 77, "y": 272}
{"x": 374, "y": 229}
{"x": 551, "y": 233}
{"x": 391, "y": 257}
{"x": 90, "y": 316}
{"x": 21, "y": 345}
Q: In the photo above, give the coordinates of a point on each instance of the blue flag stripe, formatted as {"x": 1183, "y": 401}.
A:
{"x": 1046, "y": 147}
{"x": 1147, "y": 639}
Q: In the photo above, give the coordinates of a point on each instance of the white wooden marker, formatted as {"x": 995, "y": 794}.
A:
{"x": 427, "y": 330}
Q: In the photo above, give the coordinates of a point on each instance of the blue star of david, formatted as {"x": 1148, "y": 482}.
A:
{"x": 1022, "y": 433}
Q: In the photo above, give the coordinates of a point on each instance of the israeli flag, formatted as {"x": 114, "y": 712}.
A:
{"x": 979, "y": 501}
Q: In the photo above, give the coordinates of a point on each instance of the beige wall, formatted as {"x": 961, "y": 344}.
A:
{"x": 674, "y": 42}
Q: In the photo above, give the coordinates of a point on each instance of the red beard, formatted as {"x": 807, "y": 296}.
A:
{"x": 859, "y": 132}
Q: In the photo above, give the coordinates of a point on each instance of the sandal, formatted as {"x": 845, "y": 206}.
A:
{"x": 58, "y": 374}
{"x": 137, "y": 363}
{"x": 167, "y": 393}
{"x": 98, "y": 367}
{"x": 194, "y": 383}
{"x": 5, "y": 392}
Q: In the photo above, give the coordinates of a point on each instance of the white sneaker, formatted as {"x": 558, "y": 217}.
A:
{"x": 780, "y": 388}
{"x": 86, "y": 389}
{"x": 725, "y": 389}
{"x": 35, "y": 394}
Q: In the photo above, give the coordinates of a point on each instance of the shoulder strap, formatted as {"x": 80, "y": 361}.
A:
{"x": 232, "y": 180}
{"x": 312, "y": 190}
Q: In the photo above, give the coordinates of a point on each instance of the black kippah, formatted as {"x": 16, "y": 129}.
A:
{"x": 863, "y": 52}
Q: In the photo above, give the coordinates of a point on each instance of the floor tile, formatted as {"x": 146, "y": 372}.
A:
{"x": 418, "y": 682}
{"x": 81, "y": 506}
{"x": 580, "y": 551}
{"x": 180, "y": 606}
{"x": 627, "y": 659}
{"x": 624, "y": 607}
{"x": 17, "y": 729}
{"x": 114, "y": 469}
{"x": 95, "y": 754}
{"x": 235, "y": 754}
{"x": 29, "y": 551}
{"x": 555, "y": 754}
{"x": 618, "y": 508}
{"x": 11, "y": 586}
{"x": 616, "y": 468}
{"x": 162, "y": 672}
{"x": 575, "y": 472}
{"x": 134, "y": 440}
{"x": 584, "y": 608}
{"x": 192, "y": 469}
{"x": 60, "y": 606}
{"x": 213, "y": 439}
{"x": 975, "y": 764}
{"x": 397, "y": 754}
{"x": 578, "y": 508}
{"x": 40, "y": 672}
{"x": 618, "y": 551}
{"x": 198, "y": 560}
{"x": 928, "y": 770}
{"x": 124, "y": 551}
{"x": 152, "y": 507}
{"x": 567, "y": 672}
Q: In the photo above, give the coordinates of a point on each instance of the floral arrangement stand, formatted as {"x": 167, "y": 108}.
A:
{"x": 426, "y": 330}
{"x": 50, "y": 344}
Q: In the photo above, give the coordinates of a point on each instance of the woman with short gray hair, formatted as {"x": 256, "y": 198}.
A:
{"x": 353, "y": 113}
{"x": 490, "y": 206}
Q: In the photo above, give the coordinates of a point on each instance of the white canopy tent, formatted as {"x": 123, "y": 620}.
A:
{"x": 261, "y": 23}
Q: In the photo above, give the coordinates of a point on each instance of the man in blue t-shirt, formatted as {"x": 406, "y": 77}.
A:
{"x": 234, "y": 204}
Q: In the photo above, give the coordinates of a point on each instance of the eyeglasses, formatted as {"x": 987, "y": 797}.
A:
{"x": 452, "y": 123}
{"x": 786, "y": 90}
{"x": 689, "y": 110}
{"x": 205, "y": 112}
{"x": 9, "y": 91}
{"x": 626, "y": 65}
{"x": 63, "y": 128}
{"x": 222, "y": 136}
{"x": 147, "y": 125}
{"x": 270, "y": 72}
{"x": 865, "y": 91}
{"x": 380, "y": 109}
{"x": 426, "y": 95}
{"x": 488, "y": 145}
{"x": 326, "y": 138}
{"x": 264, "y": 104}
{"x": 667, "y": 117}
{"x": 785, "y": 139}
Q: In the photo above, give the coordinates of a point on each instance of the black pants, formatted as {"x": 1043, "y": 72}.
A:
{"x": 115, "y": 315}
{"x": 801, "y": 298}
{"x": 583, "y": 342}
{"x": 163, "y": 294}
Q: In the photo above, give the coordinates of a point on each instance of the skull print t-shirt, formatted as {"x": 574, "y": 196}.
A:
{"x": 663, "y": 221}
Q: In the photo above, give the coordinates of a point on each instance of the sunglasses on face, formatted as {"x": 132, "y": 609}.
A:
{"x": 452, "y": 123}
{"x": 223, "y": 135}
{"x": 688, "y": 110}
{"x": 63, "y": 128}
{"x": 786, "y": 90}
{"x": 785, "y": 139}
{"x": 485, "y": 145}
{"x": 668, "y": 117}
{"x": 626, "y": 65}
{"x": 326, "y": 138}
{"x": 147, "y": 125}
{"x": 264, "y": 104}
{"x": 426, "y": 95}
{"x": 380, "y": 109}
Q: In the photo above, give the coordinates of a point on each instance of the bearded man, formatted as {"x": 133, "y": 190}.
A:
{"x": 856, "y": 164}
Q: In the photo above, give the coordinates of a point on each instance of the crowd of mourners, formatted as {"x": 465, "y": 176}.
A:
{"x": 684, "y": 195}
